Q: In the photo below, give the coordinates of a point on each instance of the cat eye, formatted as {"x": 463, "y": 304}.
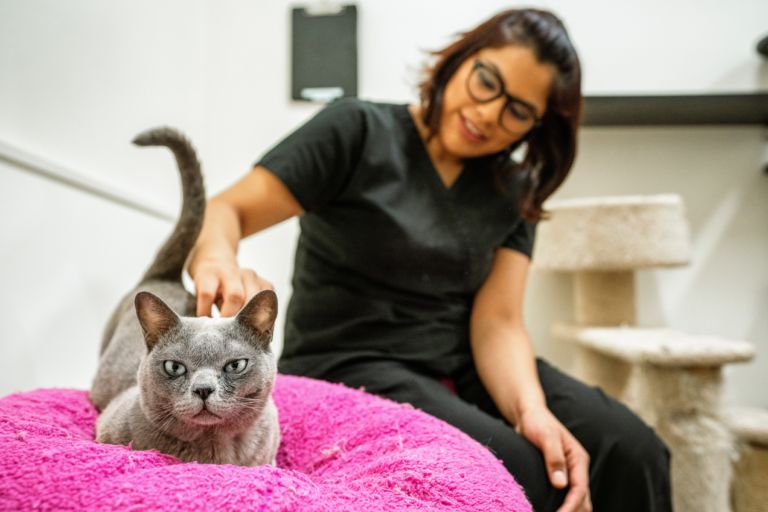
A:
{"x": 174, "y": 368}
{"x": 236, "y": 366}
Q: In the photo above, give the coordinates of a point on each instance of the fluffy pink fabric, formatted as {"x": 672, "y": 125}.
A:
{"x": 343, "y": 450}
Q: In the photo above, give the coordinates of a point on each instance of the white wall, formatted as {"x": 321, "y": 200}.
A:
{"x": 78, "y": 79}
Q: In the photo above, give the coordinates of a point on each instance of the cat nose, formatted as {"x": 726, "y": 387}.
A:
{"x": 203, "y": 392}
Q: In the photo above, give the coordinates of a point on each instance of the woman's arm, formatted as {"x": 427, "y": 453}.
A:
{"x": 505, "y": 361}
{"x": 500, "y": 345}
{"x": 257, "y": 201}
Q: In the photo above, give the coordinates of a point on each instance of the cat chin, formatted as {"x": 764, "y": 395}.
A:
{"x": 205, "y": 419}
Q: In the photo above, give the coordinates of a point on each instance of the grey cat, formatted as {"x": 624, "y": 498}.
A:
{"x": 196, "y": 388}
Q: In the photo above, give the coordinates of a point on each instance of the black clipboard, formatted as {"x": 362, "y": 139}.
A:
{"x": 323, "y": 52}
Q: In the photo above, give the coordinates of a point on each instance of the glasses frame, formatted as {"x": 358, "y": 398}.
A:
{"x": 510, "y": 98}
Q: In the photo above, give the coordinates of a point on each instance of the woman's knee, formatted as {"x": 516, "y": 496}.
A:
{"x": 526, "y": 464}
{"x": 629, "y": 463}
{"x": 632, "y": 467}
{"x": 640, "y": 449}
{"x": 608, "y": 429}
{"x": 618, "y": 439}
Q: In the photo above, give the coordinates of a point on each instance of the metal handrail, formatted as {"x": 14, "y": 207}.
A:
{"x": 26, "y": 161}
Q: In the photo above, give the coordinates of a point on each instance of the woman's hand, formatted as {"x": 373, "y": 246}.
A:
{"x": 567, "y": 461}
{"x": 505, "y": 361}
{"x": 225, "y": 284}
{"x": 258, "y": 200}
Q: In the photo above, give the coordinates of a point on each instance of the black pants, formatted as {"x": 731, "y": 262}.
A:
{"x": 629, "y": 468}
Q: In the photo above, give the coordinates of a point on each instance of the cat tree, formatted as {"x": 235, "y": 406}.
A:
{"x": 671, "y": 379}
{"x": 749, "y": 491}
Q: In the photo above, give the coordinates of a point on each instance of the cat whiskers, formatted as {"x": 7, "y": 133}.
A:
{"x": 164, "y": 419}
{"x": 251, "y": 403}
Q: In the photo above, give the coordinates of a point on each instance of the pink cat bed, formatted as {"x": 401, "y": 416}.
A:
{"x": 343, "y": 450}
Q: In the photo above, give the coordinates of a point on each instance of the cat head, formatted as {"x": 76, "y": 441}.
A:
{"x": 206, "y": 372}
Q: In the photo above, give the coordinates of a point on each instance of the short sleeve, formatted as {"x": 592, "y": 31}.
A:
{"x": 316, "y": 161}
{"x": 521, "y": 238}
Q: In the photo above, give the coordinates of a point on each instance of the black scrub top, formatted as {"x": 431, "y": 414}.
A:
{"x": 389, "y": 259}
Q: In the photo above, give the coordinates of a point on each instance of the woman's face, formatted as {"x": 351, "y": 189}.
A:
{"x": 496, "y": 86}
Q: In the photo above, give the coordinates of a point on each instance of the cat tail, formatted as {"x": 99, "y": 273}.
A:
{"x": 169, "y": 261}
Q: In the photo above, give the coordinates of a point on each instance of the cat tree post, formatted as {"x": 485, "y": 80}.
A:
{"x": 603, "y": 298}
{"x": 675, "y": 385}
{"x": 602, "y": 242}
{"x": 672, "y": 380}
{"x": 749, "y": 493}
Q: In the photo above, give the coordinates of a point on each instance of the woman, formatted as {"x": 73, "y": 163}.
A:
{"x": 417, "y": 226}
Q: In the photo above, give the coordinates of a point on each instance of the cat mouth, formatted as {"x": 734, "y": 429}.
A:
{"x": 206, "y": 417}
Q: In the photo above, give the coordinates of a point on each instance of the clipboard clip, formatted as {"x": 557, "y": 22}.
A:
{"x": 324, "y": 8}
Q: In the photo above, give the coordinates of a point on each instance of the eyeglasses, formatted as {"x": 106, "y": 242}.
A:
{"x": 484, "y": 85}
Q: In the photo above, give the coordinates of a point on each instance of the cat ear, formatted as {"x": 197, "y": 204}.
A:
{"x": 154, "y": 316}
{"x": 260, "y": 313}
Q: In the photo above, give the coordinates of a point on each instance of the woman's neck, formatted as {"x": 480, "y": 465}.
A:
{"x": 448, "y": 166}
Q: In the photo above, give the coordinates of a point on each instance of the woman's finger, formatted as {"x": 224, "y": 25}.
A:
{"x": 232, "y": 293}
{"x": 263, "y": 284}
{"x": 575, "y": 501}
{"x": 206, "y": 288}
{"x": 554, "y": 457}
{"x": 578, "y": 498}
{"x": 251, "y": 284}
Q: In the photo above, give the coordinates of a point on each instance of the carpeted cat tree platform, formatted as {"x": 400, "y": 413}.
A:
{"x": 672, "y": 379}
{"x": 342, "y": 450}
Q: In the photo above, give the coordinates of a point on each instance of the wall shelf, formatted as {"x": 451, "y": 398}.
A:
{"x": 677, "y": 110}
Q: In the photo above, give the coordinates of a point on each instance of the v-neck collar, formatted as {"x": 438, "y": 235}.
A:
{"x": 435, "y": 177}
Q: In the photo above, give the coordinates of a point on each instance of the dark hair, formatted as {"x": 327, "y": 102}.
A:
{"x": 551, "y": 146}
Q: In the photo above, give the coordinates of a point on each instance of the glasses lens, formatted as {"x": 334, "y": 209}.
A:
{"x": 517, "y": 116}
{"x": 483, "y": 84}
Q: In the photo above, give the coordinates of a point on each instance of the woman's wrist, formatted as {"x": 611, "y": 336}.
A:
{"x": 220, "y": 236}
{"x": 524, "y": 405}
{"x": 217, "y": 254}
